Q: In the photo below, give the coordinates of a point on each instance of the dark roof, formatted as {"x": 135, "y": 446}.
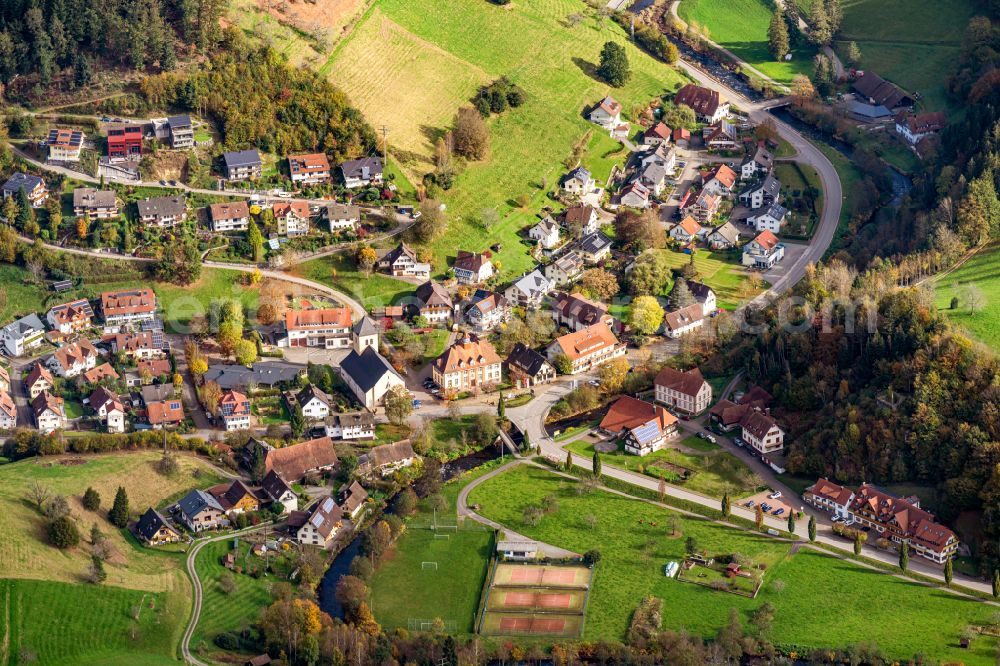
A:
{"x": 17, "y": 181}
{"x": 242, "y": 158}
{"x": 526, "y": 359}
{"x": 162, "y": 206}
{"x": 366, "y": 368}
{"x": 686, "y": 383}
{"x": 310, "y": 392}
{"x": 237, "y": 491}
{"x": 432, "y": 293}
{"x": 884, "y": 93}
{"x": 365, "y": 168}
{"x": 157, "y": 392}
{"x": 274, "y": 486}
{"x": 594, "y": 243}
{"x": 356, "y": 420}
{"x": 700, "y": 291}
{"x": 704, "y": 101}
{"x": 266, "y": 373}
{"x": 150, "y": 523}
{"x": 179, "y": 121}
{"x": 386, "y": 454}
{"x": 365, "y": 326}
{"x": 88, "y": 197}
{"x": 197, "y": 501}
{"x": 351, "y": 497}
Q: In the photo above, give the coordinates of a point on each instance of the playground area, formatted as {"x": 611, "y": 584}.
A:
{"x": 536, "y": 599}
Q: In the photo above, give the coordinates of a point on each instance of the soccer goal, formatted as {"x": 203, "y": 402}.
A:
{"x": 429, "y": 565}
{"x": 442, "y": 536}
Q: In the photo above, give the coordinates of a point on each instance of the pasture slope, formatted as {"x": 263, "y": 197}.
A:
{"x": 983, "y": 272}
{"x": 409, "y": 66}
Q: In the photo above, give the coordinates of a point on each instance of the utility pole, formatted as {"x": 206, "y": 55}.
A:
{"x": 633, "y": 27}
{"x": 385, "y": 143}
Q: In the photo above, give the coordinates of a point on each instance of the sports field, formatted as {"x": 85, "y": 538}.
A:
{"x": 532, "y": 624}
{"x": 543, "y": 599}
{"x": 536, "y": 599}
{"x": 540, "y": 575}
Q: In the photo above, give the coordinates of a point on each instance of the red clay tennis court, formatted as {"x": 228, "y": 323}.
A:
{"x": 536, "y": 575}
{"x": 536, "y": 600}
{"x": 533, "y": 625}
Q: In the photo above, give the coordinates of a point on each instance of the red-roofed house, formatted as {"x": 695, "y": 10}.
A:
{"x": 292, "y": 217}
{"x": 708, "y": 105}
{"x": 607, "y": 114}
{"x": 586, "y": 349}
{"x": 468, "y": 365}
{"x": 164, "y": 413}
{"x": 128, "y": 307}
{"x": 721, "y": 181}
{"x": 327, "y": 327}
{"x": 687, "y": 230}
{"x": 914, "y": 127}
{"x": 764, "y": 251}
{"x": 686, "y": 391}
{"x": 234, "y": 410}
{"x": 656, "y": 135}
{"x": 645, "y": 427}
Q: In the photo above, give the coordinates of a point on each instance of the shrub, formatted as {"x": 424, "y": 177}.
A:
{"x": 227, "y": 641}
{"x": 62, "y": 533}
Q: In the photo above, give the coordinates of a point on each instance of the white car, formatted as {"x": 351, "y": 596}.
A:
{"x": 775, "y": 495}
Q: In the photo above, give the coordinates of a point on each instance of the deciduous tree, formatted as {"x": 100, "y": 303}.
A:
{"x": 646, "y": 315}
{"x": 614, "y": 66}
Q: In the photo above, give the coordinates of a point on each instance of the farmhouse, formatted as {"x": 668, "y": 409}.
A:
{"x": 64, "y": 144}
{"x": 242, "y": 164}
{"x": 73, "y": 359}
{"x": 162, "y": 211}
{"x": 402, "y": 261}
{"x": 472, "y": 267}
{"x": 120, "y": 308}
{"x": 433, "y": 302}
{"x": 317, "y": 525}
{"x": 915, "y": 127}
{"x": 22, "y": 335}
{"x": 576, "y": 312}
{"x": 488, "y": 310}
{"x": 526, "y": 367}
{"x": 683, "y": 321}
{"x": 607, "y": 114}
{"x": 352, "y": 498}
{"x": 329, "y": 328}
{"x": 529, "y": 290}
{"x": 33, "y": 186}
{"x": 200, "y": 511}
{"x": 264, "y": 374}
{"x": 546, "y": 232}
{"x": 644, "y": 426}
{"x": 880, "y": 92}
{"x": 154, "y": 529}
{"x": 309, "y": 169}
{"x": 233, "y": 216}
{"x": 49, "y": 412}
{"x": 764, "y": 251}
{"x": 369, "y": 376}
{"x": 685, "y": 391}
{"x": 72, "y": 317}
{"x": 342, "y": 216}
{"x": 38, "y": 380}
{"x": 94, "y": 204}
{"x": 292, "y": 217}
{"x": 293, "y": 463}
{"x": 8, "y": 411}
{"x": 708, "y": 105}
{"x": 234, "y": 410}
{"x": 565, "y": 269}
{"x": 386, "y": 458}
{"x": 586, "y": 349}
{"x": 468, "y": 365}
{"x": 358, "y": 173}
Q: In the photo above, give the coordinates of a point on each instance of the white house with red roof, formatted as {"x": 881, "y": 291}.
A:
{"x": 687, "y": 230}
{"x": 234, "y": 410}
{"x": 292, "y": 217}
{"x": 764, "y": 251}
{"x": 120, "y": 308}
{"x": 326, "y": 327}
{"x": 686, "y": 391}
{"x": 607, "y": 114}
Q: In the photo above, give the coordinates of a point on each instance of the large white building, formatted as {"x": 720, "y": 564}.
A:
{"x": 684, "y": 391}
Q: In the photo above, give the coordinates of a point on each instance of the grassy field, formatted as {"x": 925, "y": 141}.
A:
{"x": 430, "y": 57}
{"x": 741, "y": 27}
{"x": 19, "y": 296}
{"x": 603, "y": 153}
{"x": 867, "y": 604}
{"x": 725, "y": 276}
{"x": 798, "y": 177}
{"x": 88, "y": 625}
{"x": 339, "y": 272}
{"x": 907, "y": 42}
{"x": 849, "y": 175}
{"x": 715, "y": 473}
{"x": 983, "y": 271}
{"x": 22, "y": 551}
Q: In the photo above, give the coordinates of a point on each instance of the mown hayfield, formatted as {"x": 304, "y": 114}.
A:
{"x": 983, "y": 272}
{"x": 723, "y": 274}
{"x": 913, "y": 43}
{"x": 88, "y": 625}
{"x": 25, "y": 554}
{"x": 411, "y": 65}
{"x": 741, "y": 27}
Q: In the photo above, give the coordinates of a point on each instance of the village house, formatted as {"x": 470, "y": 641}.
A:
{"x": 607, "y": 113}
{"x": 576, "y": 312}
{"x": 720, "y": 135}
{"x": 64, "y": 144}
{"x": 469, "y": 365}
{"x": 487, "y": 310}
{"x": 269, "y": 374}
{"x": 329, "y": 328}
{"x": 621, "y": 131}
{"x": 162, "y": 211}
{"x": 578, "y": 182}
{"x": 682, "y": 137}
{"x": 124, "y": 142}
{"x": 915, "y": 127}
{"x": 49, "y": 412}
{"x": 634, "y": 195}
{"x": 293, "y": 463}
{"x": 317, "y": 525}
{"x": 768, "y": 218}
{"x": 686, "y": 231}
{"x": 709, "y": 106}
{"x": 564, "y": 269}
{"x": 472, "y": 267}
{"x": 402, "y": 262}
{"x": 704, "y": 295}
{"x": 100, "y": 373}
{"x": 8, "y": 410}
{"x": 683, "y": 321}
{"x": 235, "y": 498}
{"x": 762, "y": 193}
{"x": 546, "y": 232}
{"x": 721, "y": 181}
{"x": 645, "y": 427}
{"x": 663, "y": 155}
{"x": 22, "y": 335}
{"x": 656, "y": 135}
{"x": 581, "y": 220}
{"x": 109, "y": 408}
{"x": 278, "y": 491}
{"x": 764, "y": 251}
{"x": 529, "y": 290}
{"x": 153, "y": 528}
{"x": 242, "y": 165}
{"x": 292, "y": 217}
{"x": 593, "y": 248}
{"x": 33, "y": 186}
{"x": 200, "y": 511}
{"x": 154, "y": 367}
{"x": 309, "y": 169}
{"x": 758, "y": 428}
{"x": 434, "y": 303}
{"x": 94, "y": 204}
{"x": 723, "y": 237}
{"x": 369, "y": 376}
{"x": 586, "y": 349}
{"x": 340, "y": 217}
{"x": 704, "y": 207}
{"x": 527, "y": 368}
{"x": 761, "y": 161}
{"x": 141, "y": 346}
{"x": 685, "y": 391}
{"x": 72, "y": 317}
{"x": 73, "y": 359}
{"x": 386, "y": 458}
{"x": 315, "y": 403}
{"x": 181, "y": 131}
{"x": 121, "y": 308}
{"x": 39, "y": 380}
{"x": 234, "y": 216}
{"x": 351, "y": 426}
{"x": 164, "y": 413}
{"x": 359, "y": 173}
{"x": 234, "y": 410}
{"x": 352, "y": 498}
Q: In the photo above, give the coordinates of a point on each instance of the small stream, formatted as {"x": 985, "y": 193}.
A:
{"x": 342, "y": 562}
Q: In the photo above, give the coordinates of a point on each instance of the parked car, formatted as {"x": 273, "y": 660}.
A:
{"x": 750, "y": 504}
{"x": 835, "y": 519}
{"x": 775, "y": 495}
{"x": 711, "y": 438}
{"x": 416, "y": 404}
{"x": 700, "y": 435}
{"x": 737, "y": 441}
{"x": 779, "y": 512}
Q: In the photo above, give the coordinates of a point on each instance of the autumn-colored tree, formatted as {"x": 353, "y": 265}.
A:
{"x": 267, "y": 313}
{"x": 211, "y": 394}
{"x": 366, "y": 259}
{"x": 646, "y": 315}
{"x": 471, "y": 136}
{"x": 613, "y": 375}
{"x": 245, "y": 352}
{"x": 366, "y": 621}
{"x": 229, "y": 334}
{"x": 802, "y": 89}
{"x": 198, "y": 366}
{"x": 82, "y": 228}
{"x": 599, "y": 283}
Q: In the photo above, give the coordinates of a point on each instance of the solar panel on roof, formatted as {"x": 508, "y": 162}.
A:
{"x": 328, "y": 505}
{"x": 646, "y": 432}
{"x": 316, "y": 520}
{"x": 273, "y": 244}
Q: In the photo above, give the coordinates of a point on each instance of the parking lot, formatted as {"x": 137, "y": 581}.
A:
{"x": 777, "y": 504}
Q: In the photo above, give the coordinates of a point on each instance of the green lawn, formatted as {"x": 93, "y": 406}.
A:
{"x": 741, "y": 27}
{"x": 982, "y": 271}
{"x": 909, "y": 42}
{"x": 603, "y": 153}
{"x": 714, "y": 474}
{"x": 699, "y": 444}
{"x": 339, "y": 272}
{"x": 435, "y": 342}
{"x": 74, "y": 409}
{"x": 901, "y": 616}
{"x": 849, "y": 175}
{"x": 720, "y": 271}
{"x": 74, "y": 624}
{"x": 794, "y": 178}
{"x": 19, "y": 296}
{"x": 432, "y": 56}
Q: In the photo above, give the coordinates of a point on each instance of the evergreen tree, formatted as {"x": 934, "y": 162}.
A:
{"x": 119, "y": 511}
{"x": 568, "y": 465}
{"x": 97, "y": 572}
{"x": 680, "y": 295}
{"x": 949, "y": 572}
{"x": 81, "y": 70}
{"x": 597, "y": 465}
{"x": 812, "y": 528}
{"x": 297, "y": 420}
{"x": 777, "y": 35}
{"x": 904, "y": 557}
{"x": 449, "y": 656}
{"x": 614, "y": 67}
{"x": 857, "y": 544}
{"x": 91, "y": 500}
{"x": 25, "y": 213}
{"x": 501, "y": 408}
{"x": 791, "y": 523}
{"x": 820, "y": 34}
{"x": 853, "y": 54}
{"x": 996, "y": 583}
{"x": 726, "y": 508}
